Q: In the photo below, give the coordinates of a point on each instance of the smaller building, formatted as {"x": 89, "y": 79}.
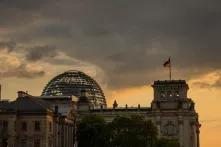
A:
{"x": 37, "y": 122}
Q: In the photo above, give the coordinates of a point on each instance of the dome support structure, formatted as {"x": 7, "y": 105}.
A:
{"x": 71, "y": 83}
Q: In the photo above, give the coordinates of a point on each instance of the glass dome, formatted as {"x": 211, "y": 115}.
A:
{"x": 72, "y": 83}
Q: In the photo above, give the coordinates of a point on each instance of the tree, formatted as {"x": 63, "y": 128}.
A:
{"x": 132, "y": 131}
{"x": 123, "y": 131}
{"x": 163, "y": 142}
{"x": 91, "y": 132}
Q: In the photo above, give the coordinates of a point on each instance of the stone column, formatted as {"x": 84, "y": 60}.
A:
{"x": 59, "y": 135}
{"x": 194, "y": 134}
{"x": 180, "y": 123}
{"x": 198, "y": 134}
{"x": 158, "y": 123}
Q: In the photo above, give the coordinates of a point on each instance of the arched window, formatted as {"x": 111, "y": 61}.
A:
{"x": 170, "y": 129}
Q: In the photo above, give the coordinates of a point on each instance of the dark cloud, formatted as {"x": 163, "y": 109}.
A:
{"x": 128, "y": 39}
{"x": 13, "y": 66}
{"x": 22, "y": 71}
{"x": 7, "y": 45}
{"x": 17, "y": 13}
{"x": 38, "y": 52}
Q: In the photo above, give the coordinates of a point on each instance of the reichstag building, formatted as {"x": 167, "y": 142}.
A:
{"x": 49, "y": 120}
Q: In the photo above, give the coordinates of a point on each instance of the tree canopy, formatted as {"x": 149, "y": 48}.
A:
{"x": 132, "y": 131}
{"x": 163, "y": 142}
{"x": 91, "y": 132}
{"x": 123, "y": 131}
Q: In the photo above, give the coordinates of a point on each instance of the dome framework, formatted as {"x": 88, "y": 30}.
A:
{"x": 72, "y": 83}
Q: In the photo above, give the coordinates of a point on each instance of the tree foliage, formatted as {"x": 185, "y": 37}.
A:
{"x": 163, "y": 142}
{"x": 132, "y": 131}
{"x": 91, "y": 132}
{"x": 123, "y": 131}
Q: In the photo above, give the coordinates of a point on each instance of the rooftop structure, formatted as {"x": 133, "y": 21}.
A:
{"x": 170, "y": 89}
{"x": 71, "y": 83}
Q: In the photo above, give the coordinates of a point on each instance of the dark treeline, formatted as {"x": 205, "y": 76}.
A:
{"x": 130, "y": 131}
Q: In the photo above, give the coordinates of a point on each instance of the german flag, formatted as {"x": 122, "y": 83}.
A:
{"x": 167, "y": 63}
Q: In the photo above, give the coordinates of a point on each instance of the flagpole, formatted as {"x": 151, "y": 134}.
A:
{"x": 170, "y": 72}
{"x": 170, "y": 69}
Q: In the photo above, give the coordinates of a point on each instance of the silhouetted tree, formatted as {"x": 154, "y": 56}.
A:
{"x": 91, "y": 132}
{"x": 132, "y": 131}
{"x": 123, "y": 131}
{"x": 163, "y": 142}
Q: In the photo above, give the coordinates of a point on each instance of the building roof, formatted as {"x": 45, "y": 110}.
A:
{"x": 123, "y": 109}
{"x": 170, "y": 82}
{"x": 31, "y": 104}
{"x": 26, "y": 104}
{"x": 71, "y": 83}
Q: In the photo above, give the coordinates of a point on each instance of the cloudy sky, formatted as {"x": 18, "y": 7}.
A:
{"x": 121, "y": 43}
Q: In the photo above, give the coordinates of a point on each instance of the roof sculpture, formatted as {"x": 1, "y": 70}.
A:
{"x": 71, "y": 83}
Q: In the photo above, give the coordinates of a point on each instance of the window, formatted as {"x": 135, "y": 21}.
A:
{"x": 4, "y": 142}
{"x": 37, "y": 126}
{"x": 5, "y": 125}
{"x": 170, "y": 129}
{"x": 50, "y": 143}
{"x": 50, "y": 126}
{"x": 162, "y": 94}
{"x": 23, "y": 143}
{"x": 24, "y": 126}
{"x": 15, "y": 125}
{"x": 177, "y": 94}
{"x": 37, "y": 143}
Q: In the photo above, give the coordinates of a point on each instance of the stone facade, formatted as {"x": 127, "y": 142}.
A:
{"x": 31, "y": 122}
